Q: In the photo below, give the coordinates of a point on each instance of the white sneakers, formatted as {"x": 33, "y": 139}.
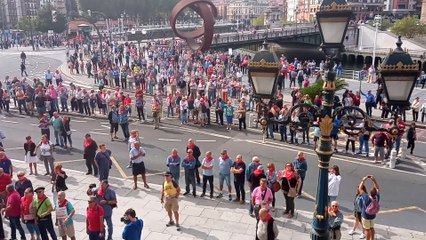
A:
{"x": 352, "y": 232}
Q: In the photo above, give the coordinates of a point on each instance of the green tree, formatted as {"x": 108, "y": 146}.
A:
{"x": 44, "y": 20}
{"x": 409, "y": 27}
{"x": 26, "y": 24}
{"x": 259, "y": 21}
{"x": 316, "y": 88}
{"x": 145, "y": 9}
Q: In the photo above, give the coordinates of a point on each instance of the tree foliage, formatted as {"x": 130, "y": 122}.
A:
{"x": 26, "y": 24}
{"x": 409, "y": 27}
{"x": 44, "y": 20}
{"x": 259, "y": 21}
{"x": 145, "y": 9}
{"x": 317, "y": 87}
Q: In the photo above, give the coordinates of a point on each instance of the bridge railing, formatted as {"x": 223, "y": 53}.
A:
{"x": 240, "y": 37}
{"x": 383, "y": 51}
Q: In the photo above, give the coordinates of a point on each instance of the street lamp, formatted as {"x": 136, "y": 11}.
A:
{"x": 377, "y": 23}
{"x": 399, "y": 74}
{"x": 263, "y": 72}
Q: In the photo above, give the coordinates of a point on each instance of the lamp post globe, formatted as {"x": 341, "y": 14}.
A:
{"x": 399, "y": 74}
{"x": 333, "y": 20}
{"x": 263, "y": 72}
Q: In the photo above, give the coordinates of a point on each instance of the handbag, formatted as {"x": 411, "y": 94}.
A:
{"x": 292, "y": 191}
{"x": 276, "y": 186}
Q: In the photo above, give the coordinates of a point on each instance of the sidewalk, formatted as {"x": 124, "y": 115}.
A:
{"x": 201, "y": 218}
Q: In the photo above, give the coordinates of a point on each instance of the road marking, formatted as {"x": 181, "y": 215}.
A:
{"x": 99, "y": 129}
{"x": 170, "y": 140}
{"x": 80, "y": 121}
{"x": 104, "y": 123}
{"x": 13, "y": 148}
{"x": 105, "y": 126}
{"x": 206, "y": 140}
{"x": 395, "y": 210}
{"x": 368, "y": 163}
{"x": 7, "y": 121}
{"x": 71, "y": 161}
{"x": 119, "y": 169}
{"x": 33, "y": 124}
{"x": 99, "y": 133}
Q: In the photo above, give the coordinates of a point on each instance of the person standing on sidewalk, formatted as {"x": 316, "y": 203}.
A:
{"x": 272, "y": 177}
{"x": 94, "y": 220}
{"x": 13, "y": 211}
{"x": 261, "y": 197}
{"x": 301, "y": 166}
{"x": 43, "y": 209}
{"x": 64, "y": 217}
{"x": 238, "y": 168}
{"x": 133, "y": 229}
{"x": 171, "y": 192}
{"x": 46, "y": 154}
{"x": 290, "y": 184}
{"x": 28, "y": 215}
{"x": 225, "y": 164}
{"x": 89, "y": 152}
{"x": 334, "y": 180}
{"x": 207, "y": 167}
{"x": 266, "y": 228}
{"x": 357, "y": 213}
{"x": 335, "y": 220}
{"x": 107, "y": 200}
{"x": 415, "y": 107}
{"x": 370, "y": 206}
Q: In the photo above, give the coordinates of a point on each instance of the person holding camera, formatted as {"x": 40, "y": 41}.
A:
{"x": 171, "y": 191}
{"x": 134, "y": 226}
{"x": 370, "y": 206}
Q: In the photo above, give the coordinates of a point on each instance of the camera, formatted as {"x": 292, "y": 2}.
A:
{"x": 124, "y": 219}
{"x": 129, "y": 213}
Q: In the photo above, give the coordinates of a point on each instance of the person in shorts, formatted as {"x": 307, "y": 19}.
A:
{"x": 137, "y": 156}
{"x": 366, "y": 199}
{"x": 170, "y": 197}
{"x": 64, "y": 213}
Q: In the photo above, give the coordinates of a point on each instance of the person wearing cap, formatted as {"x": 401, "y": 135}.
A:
{"x": 43, "y": 209}
{"x": 133, "y": 229}
{"x": 171, "y": 192}
{"x": 13, "y": 211}
{"x": 107, "y": 199}
{"x": 94, "y": 220}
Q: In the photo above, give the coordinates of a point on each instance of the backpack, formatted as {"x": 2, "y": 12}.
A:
{"x": 373, "y": 207}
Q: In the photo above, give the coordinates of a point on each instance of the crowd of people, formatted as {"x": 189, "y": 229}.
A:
{"x": 190, "y": 86}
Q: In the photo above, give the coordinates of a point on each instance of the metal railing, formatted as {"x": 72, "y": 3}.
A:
{"x": 241, "y": 37}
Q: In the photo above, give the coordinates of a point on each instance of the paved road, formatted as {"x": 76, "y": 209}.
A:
{"x": 408, "y": 186}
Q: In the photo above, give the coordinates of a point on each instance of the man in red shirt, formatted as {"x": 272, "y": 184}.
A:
{"x": 95, "y": 220}
{"x": 5, "y": 180}
{"x": 13, "y": 211}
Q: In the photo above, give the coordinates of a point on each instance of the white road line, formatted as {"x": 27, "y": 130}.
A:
{"x": 7, "y": 121}
{"x": 99, "y": 133}
{"x": 80, "y": 121}
{"x": 73, "y": 130}
{"x": 99, "y": 129}
{"x": 170, "y": 140}
{"x": 206, "y": 140}
{"x": 104, "y": 123}
{"x": 105, "y": 126}
{"x": 13, "y": 148}
{"x": 34, "y": 124}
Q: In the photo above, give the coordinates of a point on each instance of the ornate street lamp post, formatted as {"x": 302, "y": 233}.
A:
{"x": 333, "y": 18}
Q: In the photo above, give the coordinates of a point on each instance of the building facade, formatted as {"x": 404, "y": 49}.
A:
{"x": 238, "y": 10}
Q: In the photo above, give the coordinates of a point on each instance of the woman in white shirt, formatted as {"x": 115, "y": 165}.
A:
{"x": 334, "y": 179}
{"x": 46, "y": 154}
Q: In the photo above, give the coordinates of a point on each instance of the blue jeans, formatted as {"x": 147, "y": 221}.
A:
{"x": 109, "y": 225}
{"x": 184, "y": 117}
{"x": 125, "y": 128}
{"x": 270, "y": 131}
{"x": 15, "y": 224}
{"x": 397, "y": 144}
{"x": 55, "y": 104}
{"x": 64, "y": 104}
{"x": 361, "y": 143}
{"x": 251, "y": 208}
{"x": 32, "y": 228}
{"x": 58, "y": 137}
